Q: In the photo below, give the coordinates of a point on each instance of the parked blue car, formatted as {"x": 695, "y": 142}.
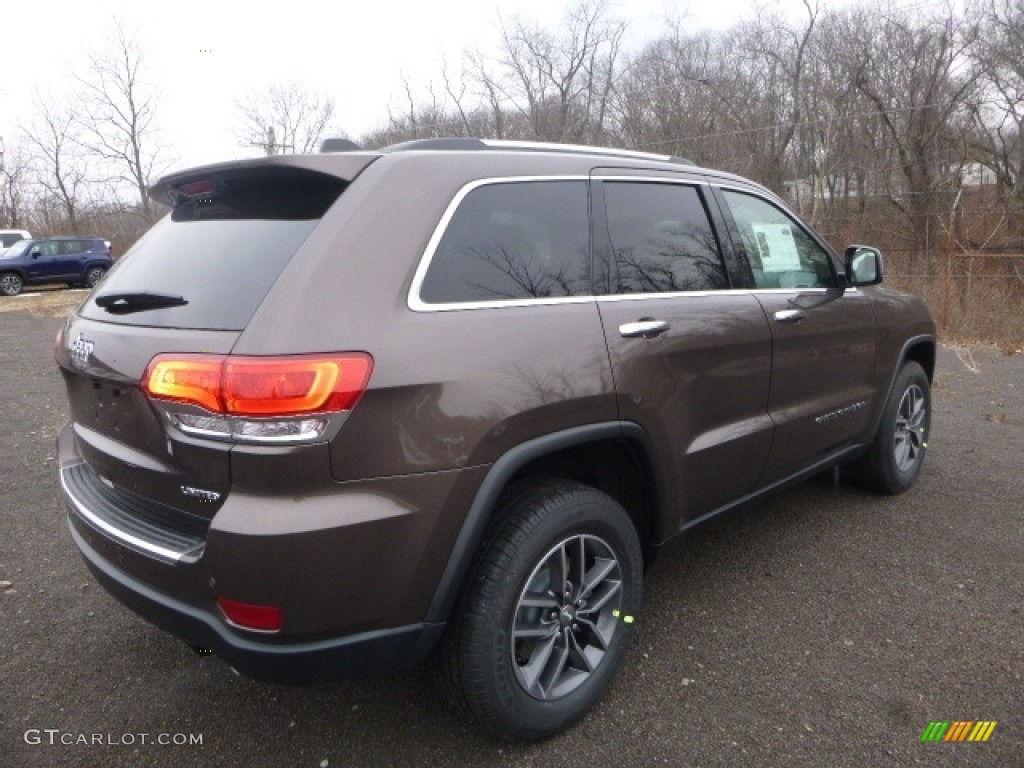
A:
{"x": 76, "y": 261}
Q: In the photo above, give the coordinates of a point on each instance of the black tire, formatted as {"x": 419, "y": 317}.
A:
{"x": 528, "y": 667}
{"x": 11, "y": 284}
{"x": 93, "y": 275}
{"x": 894, "y": 459}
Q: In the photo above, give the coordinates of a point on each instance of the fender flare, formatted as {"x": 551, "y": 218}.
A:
{"x": 473, "y": 527}
{"x": 913, "y": 341}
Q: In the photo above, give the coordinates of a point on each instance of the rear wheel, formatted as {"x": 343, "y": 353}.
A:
{"x": 94, "y": 275}
{"x": 11, "y": 284}
{"x": 897, "y": 452}
{"x": 545, "y": 619}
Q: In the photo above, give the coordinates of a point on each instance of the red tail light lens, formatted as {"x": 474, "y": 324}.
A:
{"x": 276, "y": 387}
{"x": 260, "y": 386}
{"x": 263, "y": 618}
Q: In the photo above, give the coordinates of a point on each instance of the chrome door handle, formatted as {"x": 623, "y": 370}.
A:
{"x": 789, "y": 315}
{"x": 646, "y": 329}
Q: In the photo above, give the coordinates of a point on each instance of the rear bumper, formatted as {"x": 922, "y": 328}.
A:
{"x": 370, "y": 653}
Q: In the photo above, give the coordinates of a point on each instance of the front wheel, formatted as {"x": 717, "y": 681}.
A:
{"x": 544, "y": 622}
{"x": 11, "y": 284}
{"x": 895, "y": 457}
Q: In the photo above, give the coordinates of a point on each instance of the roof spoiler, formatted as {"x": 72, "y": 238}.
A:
{"x": 339, "y": 145}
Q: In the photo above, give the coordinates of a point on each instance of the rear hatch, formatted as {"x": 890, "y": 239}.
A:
{"x": 190, "y": 285}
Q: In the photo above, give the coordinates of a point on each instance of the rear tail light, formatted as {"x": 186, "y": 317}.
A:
{"x": 266, "y": 399}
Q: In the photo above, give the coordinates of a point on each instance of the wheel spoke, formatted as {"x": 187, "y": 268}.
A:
{"x": 528, "y": 632}
{"x": 598, "y": 573}
{"x": 577, "y": 658}
{"x": 533, "y": 669}
{"x": 609, "y": 589}
{"x": 556, "y": 662}
{"x": 539, "y": 601}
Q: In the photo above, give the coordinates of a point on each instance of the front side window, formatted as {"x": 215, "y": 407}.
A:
{"x": 661, "y": 239}
{"x": 782, "y": 254}
{"x": 513, "y": 241}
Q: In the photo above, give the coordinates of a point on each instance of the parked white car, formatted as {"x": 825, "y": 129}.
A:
{"x": 9, "y": 237}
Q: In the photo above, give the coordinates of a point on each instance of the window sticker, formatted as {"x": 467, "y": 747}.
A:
{"x": 777, "y": 247}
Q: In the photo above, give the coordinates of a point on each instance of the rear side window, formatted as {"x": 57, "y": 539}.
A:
{"x": 661, "y": 239}
{"x": 222, "y": 247}
{"x": 515, "y": 240}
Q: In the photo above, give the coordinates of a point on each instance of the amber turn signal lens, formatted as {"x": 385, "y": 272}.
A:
{"x": 187, "y": 379}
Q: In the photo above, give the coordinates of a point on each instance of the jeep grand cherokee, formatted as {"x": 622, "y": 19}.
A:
{"x": 336, "y": 413}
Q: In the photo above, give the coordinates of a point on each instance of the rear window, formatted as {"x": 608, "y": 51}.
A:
{"x": 513, "y": 241}
{"x": 222, "y": 247}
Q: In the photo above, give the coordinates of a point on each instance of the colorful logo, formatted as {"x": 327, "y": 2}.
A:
{"x": 958, "y": 730}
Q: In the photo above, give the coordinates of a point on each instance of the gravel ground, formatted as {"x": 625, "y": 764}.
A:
{"x": 820, "y": 627}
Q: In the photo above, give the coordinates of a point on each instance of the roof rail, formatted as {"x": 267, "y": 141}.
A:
{"x": 454, "y": 144}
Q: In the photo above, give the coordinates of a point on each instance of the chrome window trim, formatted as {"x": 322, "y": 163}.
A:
{"x": 416, "y": 304}
{"x": 617, "y": 297}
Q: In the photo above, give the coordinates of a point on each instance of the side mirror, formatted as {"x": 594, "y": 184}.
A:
{"x": 864, "y": 266}
{"x": 36, "y": 253}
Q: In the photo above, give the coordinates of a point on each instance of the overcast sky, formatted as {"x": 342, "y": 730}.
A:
{"x": 204, "y": 56}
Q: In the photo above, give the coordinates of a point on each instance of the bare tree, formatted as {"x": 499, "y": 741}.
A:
{"x": 559, "y": 84}
{"x": 120, "y": 110}
{"x": 54, "y": 137}
{"x": 998, "y": 112}
{"x": 285, "y": 119}
{"x": 915, "y": 75}
{"x": 14, "y": 176}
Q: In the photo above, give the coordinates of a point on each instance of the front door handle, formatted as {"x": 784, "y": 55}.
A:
{"x": 789, "y": 315}
{"x": 646, "y": 328}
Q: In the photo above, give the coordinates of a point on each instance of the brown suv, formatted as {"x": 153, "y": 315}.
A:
{"x": 337, "y": 412}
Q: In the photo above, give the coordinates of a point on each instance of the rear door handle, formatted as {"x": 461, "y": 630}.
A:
{"x": 646, "y": 328}
{"x": 789, "y": 315}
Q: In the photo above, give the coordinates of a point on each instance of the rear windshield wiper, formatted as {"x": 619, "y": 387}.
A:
{"x": 140, "y": 301}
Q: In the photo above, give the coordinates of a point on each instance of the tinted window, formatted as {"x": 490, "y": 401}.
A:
{"x": 518, "y": 240}
{"x": 782, "y": 254}
{"x": 72, "y": 246}
{"x": 220, "y": 250}
{"x": 661, "y": 239}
